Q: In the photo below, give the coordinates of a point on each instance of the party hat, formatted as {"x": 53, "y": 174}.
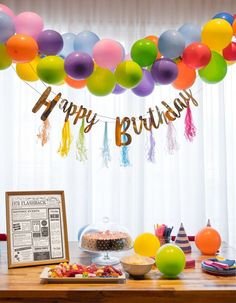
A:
{"x": 182, "y": 240}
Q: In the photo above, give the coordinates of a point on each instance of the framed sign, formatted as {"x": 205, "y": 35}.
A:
{"x": 36, "y": 228}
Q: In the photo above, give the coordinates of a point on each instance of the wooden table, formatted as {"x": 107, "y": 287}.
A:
{"x": 23, "y": 285}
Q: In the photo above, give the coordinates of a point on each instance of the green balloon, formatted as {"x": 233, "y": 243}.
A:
{"x": 101, "y": 82}
{"x": 51, "y": 69}
{"x": 170, "y": 260}
{"x": 144, "y": 52}
{"x": 215, "y": 70}
{"x": 5, "y": 60}
{"x": 128, "y": 74}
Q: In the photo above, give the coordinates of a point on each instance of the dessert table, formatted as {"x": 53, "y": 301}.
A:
{"x": 23, "y": 285}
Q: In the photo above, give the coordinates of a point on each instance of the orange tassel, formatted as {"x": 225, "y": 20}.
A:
{"x": 43, "y": 134}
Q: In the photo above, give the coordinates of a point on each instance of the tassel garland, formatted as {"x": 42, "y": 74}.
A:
{"x": 190, "y": 129}
{"x": 151, "y": 151}
{"x": 106, "y": 155}
{"x": 81, "y": 150}
{"x": 172, "y": 144}
{"x": 66, "y": 140}
{"x": 43, "y": 134}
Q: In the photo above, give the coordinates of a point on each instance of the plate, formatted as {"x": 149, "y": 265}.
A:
{"x": 218, "y": 272}
{"x": 45, "y": 279}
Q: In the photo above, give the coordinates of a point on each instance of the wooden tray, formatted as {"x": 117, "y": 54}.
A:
{"x": 45, "y": 279}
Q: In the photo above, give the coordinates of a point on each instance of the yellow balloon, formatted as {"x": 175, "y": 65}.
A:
{"x": 27, "y": 71}
{"x": 217, "y": 34}
{"x": 146, "y": 245}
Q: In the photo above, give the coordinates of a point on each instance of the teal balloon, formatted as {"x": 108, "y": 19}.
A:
{"x": 215, "y": 71}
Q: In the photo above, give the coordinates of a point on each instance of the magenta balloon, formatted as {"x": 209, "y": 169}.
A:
{"x": 79, "y": 65}
{"x": 164, "y": 71}
{"x": 108, "y": 53}
{"x": 146, "y": 86}
{"x": 7, "y": 10}
{"x": 29, "y": 23}
{"x": 50, "y": 42}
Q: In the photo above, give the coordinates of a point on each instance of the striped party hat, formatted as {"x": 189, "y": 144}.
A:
{"x": 182, "y": 240}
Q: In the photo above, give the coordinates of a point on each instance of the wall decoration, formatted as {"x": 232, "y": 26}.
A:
{"x": 36, "y": 228}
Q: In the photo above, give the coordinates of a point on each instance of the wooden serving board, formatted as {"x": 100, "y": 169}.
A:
{"x": 45, "y": 279}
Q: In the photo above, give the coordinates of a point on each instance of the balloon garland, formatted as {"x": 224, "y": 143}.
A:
{"x": 101, "y": 65}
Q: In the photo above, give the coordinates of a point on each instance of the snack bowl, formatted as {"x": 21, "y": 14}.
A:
{"x": 137, "y": 265}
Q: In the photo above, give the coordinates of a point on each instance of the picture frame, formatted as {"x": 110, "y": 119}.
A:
{"x": 36, "y": 228}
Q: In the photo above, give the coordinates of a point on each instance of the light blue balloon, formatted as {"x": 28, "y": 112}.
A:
{"x": 191, "y": 33}
{"x": 85, "y": 41}
{"x": 7, "y": 27}
{"x": 171, "y": 44}
{"x": 68, "y": 44}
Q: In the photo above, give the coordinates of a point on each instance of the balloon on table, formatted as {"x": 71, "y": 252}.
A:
{"x": 144, "y": 52}
{"x": 190, "y": 32}
{"x": 118, "y": 90}
{"x": 229, "y": 52}
{"x": 50, "y": 42}
{"x": 226, "y": 16}
{"x": 146, "y": 244}
{"x": 22, "y": 48}
{"x": 215, "y": 71}
{"x": 7, "y": 27}
{"x": 128, "y": 74}
{"x": 85, "y": 41}
{"x": 146, "y": 86}
{"x": 75, "y": 83}
{"x": 170, "y": 260}
{"x": 196, "y": 55}
{"x": 5, "y": 59}
{"x": 186, "y": 77}
{"x": 29, "y": 23}
{"x": 217, "y": 34}
{"x": 68, "y": 44}
{"x": 164, "y": 71}
{"x": 208, "y": 240}
{"x": 108, "y": 53}
{"x": 51, "y": 69}
{"x": 101, "y": 82}
{"x": 79, "y": 65}
{"x": 171, "y": 44}
{"x": 5, "y": 9}
{"x": 28, "y": 71}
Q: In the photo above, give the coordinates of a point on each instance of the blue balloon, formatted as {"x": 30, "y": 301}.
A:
{"x": 68, "y": 44}
{"x": 7, "y": 27}
{"x": 85, "y": 41}
{"x": 226, "y": 16}
{"x": 171, "y": 44}
{"x": 191, "y": 33}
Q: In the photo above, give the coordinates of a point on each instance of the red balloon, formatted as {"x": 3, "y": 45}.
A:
{"x": 196, "y": 55}
{"x": 229, "y": 52}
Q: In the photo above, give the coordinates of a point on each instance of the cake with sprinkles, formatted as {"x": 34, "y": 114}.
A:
{"x": 106, "y": 241}
{"x": 182, "y": 240}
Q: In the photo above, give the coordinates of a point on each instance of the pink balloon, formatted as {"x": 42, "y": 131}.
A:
{"x": 7, "y": 10}
{"x": 107, "y": 53}
{"x": 29, "y": 23}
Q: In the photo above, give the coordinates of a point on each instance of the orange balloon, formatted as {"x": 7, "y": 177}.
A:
{"x": 75, "y": 83}
{"x": 22, "y": 48}
{"x": 234, "y": 27}
{"x": 186, "y": 76}
{"x": 208, "y": 241}
{"x": 154, "y": 39}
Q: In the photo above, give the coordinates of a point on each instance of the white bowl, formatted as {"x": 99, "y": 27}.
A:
{"x": 137, "y": 269}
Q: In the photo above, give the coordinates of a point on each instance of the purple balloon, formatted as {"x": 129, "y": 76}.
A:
{"x": 50, "y": 42}
{"x": 146, "y": 86}
{"x": 164, "y": 71}
{"x": 118, "y": 90}
{"x": 79, "y": 65}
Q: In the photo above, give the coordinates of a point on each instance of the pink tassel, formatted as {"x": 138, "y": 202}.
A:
{"x": 172, "y": 144}
{"x": 190, "y": 129}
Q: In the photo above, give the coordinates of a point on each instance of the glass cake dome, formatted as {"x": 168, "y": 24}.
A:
{"x": 105, "y": 237}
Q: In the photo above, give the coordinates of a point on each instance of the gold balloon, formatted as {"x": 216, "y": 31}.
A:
{"x": 27, "y": 71}
{"x": 146, "y": 244}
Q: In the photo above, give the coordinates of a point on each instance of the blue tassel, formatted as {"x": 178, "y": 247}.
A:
{"x": 124, "y": 154}
{"x": 106, "y": 149}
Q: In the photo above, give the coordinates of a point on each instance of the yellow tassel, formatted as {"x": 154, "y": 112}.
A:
{"x": 65, "y": 140}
